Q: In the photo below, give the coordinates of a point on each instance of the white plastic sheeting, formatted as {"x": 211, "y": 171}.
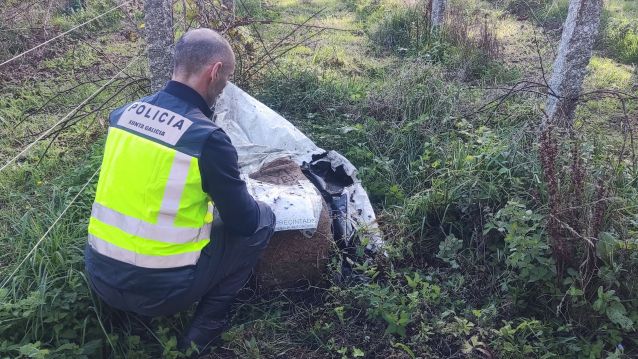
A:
{"x": 261, "y": 135}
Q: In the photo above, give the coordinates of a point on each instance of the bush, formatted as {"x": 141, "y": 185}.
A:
{"x": 404, "y": 29}
{"x": 547, "y": 13}
{"x": 364, "y": 9}
{"x": 473, "y": 49}
{"x": 304, "y": 92}
{"x": 458, "y": 180}
{"x": 411, "y": 91}
{"x": 621, "y": 40}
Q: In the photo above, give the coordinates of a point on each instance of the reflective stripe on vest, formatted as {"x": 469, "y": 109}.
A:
{"x": 110, "y": 250}
{"x": 143, "y": 229}
{"x": 150, "y": 210}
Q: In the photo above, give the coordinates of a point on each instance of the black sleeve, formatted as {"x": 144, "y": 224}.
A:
{"x": 220, "y": 179}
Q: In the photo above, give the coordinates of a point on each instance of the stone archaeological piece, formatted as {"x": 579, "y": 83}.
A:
{"x": 293, "y": 257}
{"x": 158, "y": 27}
{"x": 579, "y": 33}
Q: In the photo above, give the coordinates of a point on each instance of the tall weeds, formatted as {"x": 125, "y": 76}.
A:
{"x": 577, "y": 204}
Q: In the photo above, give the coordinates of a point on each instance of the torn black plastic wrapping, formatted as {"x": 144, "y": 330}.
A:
{"x": 331, "y": 183}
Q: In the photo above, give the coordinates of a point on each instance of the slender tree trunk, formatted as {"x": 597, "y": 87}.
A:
{"x": 438, "y": 12}
{"x": 185, "y": 15}
{"x": 158, "y": 25}
{"x": 579, "y": 33}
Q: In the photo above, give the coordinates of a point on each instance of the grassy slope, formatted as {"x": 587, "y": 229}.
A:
{"x": 426, "y": 167}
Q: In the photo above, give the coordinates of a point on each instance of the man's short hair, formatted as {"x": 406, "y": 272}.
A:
{"x": 199, "y": 48}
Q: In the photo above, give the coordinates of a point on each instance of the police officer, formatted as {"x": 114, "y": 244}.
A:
{"x": 172, "y": 223}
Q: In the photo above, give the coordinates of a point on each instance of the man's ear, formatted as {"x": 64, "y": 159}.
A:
{"x": 216, "y": 70}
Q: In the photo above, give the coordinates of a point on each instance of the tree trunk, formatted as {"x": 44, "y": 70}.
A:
{"x": 438, "y": 12}
{"x": 579, "y": 33}
{"x": 185, "y": 15}
{"x": 158, "y": 25}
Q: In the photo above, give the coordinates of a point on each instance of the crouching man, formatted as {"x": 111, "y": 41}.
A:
{"x": 156, "y": 245}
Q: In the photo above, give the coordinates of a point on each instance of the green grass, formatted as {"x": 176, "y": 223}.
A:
{"x": 621, "y": 38}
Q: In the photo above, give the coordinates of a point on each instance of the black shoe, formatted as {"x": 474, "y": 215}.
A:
{"x": 203, "y": 336}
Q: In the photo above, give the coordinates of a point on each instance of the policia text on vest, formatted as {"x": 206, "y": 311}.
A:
{"x": 155, "y": 122}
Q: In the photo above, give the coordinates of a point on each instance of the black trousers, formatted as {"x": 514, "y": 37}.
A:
{"x": 223, "y": 269}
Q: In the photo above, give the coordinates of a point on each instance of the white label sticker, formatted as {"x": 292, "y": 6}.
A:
{"x": 155, "y": 122}
{"x": 296, "y": 206}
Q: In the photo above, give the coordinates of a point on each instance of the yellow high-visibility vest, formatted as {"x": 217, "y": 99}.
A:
{"x": 150, "y": 209}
